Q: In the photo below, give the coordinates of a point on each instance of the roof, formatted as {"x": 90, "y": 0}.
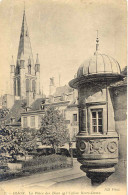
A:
{"x": 61, "y": 103}
{"x": 36, "y": 105}
{"x": 15, "y": 111}
{"x": 62, "y": 90}
{"x": 119, "y": 83}
{"x": 99, "y": 64}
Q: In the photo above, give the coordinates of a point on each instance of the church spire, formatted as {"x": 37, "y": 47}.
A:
{"x": 24, "y": 43}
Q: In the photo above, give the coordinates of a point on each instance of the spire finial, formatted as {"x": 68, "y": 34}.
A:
{"x": 37, "y": 59}
{"x": 24, "y": 6}
{"x": 12, "y": 62}
{"x": 97, "y": 42}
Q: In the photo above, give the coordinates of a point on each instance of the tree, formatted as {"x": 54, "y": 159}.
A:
{"x": 9, "y": 141}
{"x": 28, "y": 140}
{"x": 53, "y": 129}
{"x": 3, "y": 112}
{"x": 15, "y": 141}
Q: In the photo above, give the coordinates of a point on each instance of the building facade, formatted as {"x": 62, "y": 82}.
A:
{"x": 64, "y": 99}
{"x": 25, "y": 75}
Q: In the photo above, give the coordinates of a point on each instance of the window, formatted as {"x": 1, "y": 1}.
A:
{"x": 27, "y": 85}
{"x": 29, "y": 69}
{"x": 34, "y": 86}
{"x": 97, "y": 121}
{"x": 24, "y": 122}
{"x": 32, "y": 121}
{"x": 74, "y": 117}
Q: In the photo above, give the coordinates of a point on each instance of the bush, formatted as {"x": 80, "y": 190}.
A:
{"x": 45, "y": 163}
{"x": 44, "y": 160}
{"x": 39, "y": 164}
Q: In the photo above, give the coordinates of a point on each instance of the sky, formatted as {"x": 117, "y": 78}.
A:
{"x": 63, "y": 33}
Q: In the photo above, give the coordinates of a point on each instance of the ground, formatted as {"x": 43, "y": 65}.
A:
{"x": 68, "y": 181}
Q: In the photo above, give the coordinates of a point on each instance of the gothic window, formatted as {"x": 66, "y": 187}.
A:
{"x": 15, "y": 86}
{"x": 29, "y": 69}
{"x": 33, "y": 95}
{"x": 18, "y": 82}
{"x": 27, "y": 84}
{"x": 97, "y": 121}
{"x": 18, "y": 70}
{"x": 34, "y": 86}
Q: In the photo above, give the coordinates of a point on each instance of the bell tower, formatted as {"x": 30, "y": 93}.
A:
{"x": 26, "y": 75}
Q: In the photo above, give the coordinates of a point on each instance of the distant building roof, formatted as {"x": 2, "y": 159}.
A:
{"x": 62, "y": 90}
{"x": 36, "y": 105}
{"x": 15, "y": 111}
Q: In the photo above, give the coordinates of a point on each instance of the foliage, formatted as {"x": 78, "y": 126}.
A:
{"x": 53, "y": 129}
{"x": 15, "y": 141}
{"x": 9, "y": 140}
{"x": 37, "y": 165}
{"x": 44, "y": 160}
{"x": 3, "y": 112}
{"x": 45, "y": 163}
{"x": 28, "y": 140}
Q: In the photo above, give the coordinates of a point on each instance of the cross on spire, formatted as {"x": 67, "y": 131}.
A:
{"x": 24, "y": 6}
{"x": 97, "y": 42}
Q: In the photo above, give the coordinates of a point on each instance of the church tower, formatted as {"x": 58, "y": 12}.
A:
{"x": 26, "y": 79}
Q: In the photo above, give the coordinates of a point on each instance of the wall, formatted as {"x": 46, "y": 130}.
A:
{"x": 37, "y": 119}
{"x": 8, "y": 101}
{"x": 72, "y": 126}
{"x": 119, "y": 100}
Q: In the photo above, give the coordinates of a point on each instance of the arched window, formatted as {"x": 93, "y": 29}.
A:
{"x": 18, "y": 69}
{"x": 34, "y": 86}
{"x": 29, "y": 69}
{"x": 18, "y": 82}
{"x": 15, "y": 86}
{"x": 27, "y": 85}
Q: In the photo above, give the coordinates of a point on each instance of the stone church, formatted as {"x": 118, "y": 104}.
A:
{"x": 25, "y": 76}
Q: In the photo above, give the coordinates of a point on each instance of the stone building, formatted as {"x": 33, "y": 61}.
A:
{"x": 102, "y": 104}
{"x": 25, "y": 73}
{"x": 65, "y": 99}
{"x": 25, "y": 77}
